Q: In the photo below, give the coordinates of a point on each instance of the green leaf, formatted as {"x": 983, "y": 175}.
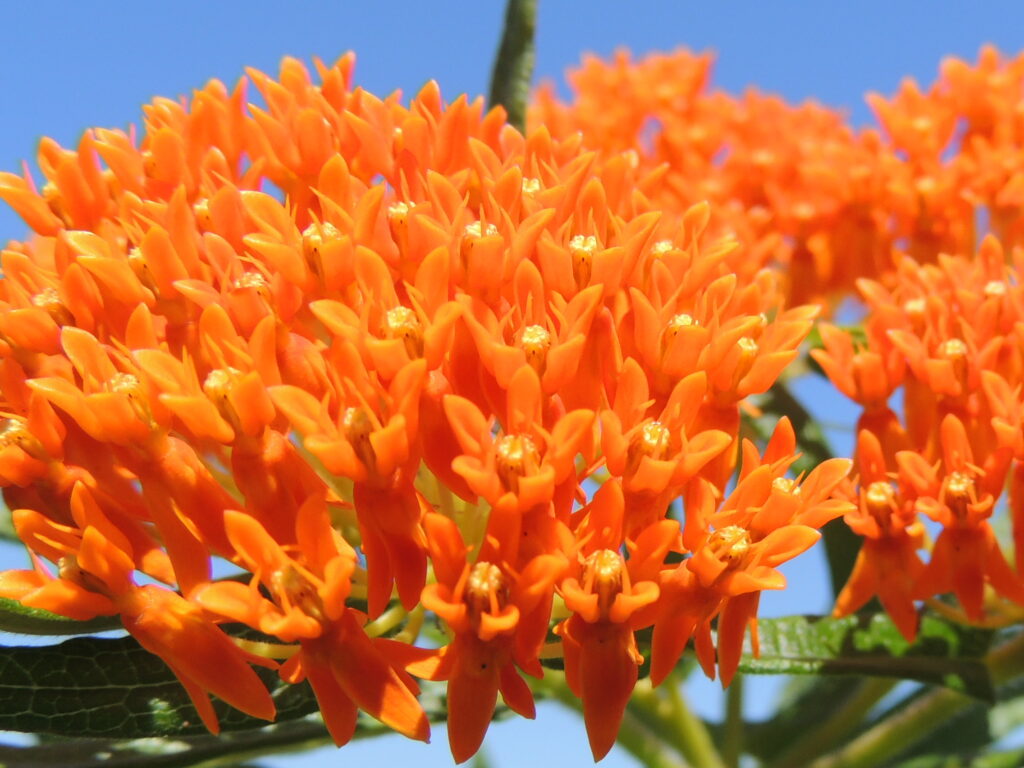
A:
{"x": 113, "y": 688}
{"x": 944, "y": 654}
{"x": 19, "y": 619}
{"x": 969, "y": 731}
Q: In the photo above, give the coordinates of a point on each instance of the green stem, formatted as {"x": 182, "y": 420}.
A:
{"x": 1007, "y": 661}
{"x": 665, "y": 712}
{"x": 897, "y": 733}
{"x": 513, "y": 68}
{"x": 843, "y": 721}
{"x": 699, "y": 746}
{"x": 637, "y": 737}
{"x": 732, "y": 736}
{"x": 645, "y": 745}
{"x": 922, "y": 717}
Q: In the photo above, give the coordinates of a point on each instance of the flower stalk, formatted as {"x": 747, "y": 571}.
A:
{"x": 513, "y": 66}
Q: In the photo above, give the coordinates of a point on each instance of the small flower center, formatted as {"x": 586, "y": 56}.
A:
{"x": 218, "y": 386}
{"x": 128, "y": 384}
{"x": 995, "y": 288}
{"x": 603, "y": 575}
{"x": 662, "y": 247}
{"x": 125, "y": 383}
{"x": 582, "y": 250}
{"x": 398, "y": 211}
{"x": 313, "y": 239}
{"x": 476, "y": 230}
{"x": 652, "y": 440}
{"x": 398, "y": 222}
{"x": 54, "y": 201}
{"x": 531, "y": 186}
{"x": 879, "y": 496}
{"x": 915, "y": 310}
{"x": 674, "y": 327}
{"x": 254, "y": 280}
{"x": 880, "y": 502}
{"x": 137, "y": 261}
{"x": 956, "y": 351}
{"x": 952, "y": 349}
{"x": 746, "y": 353}
{"x": 201, "y": 210}
{"x": 68, "y": 569}
{"x": 293, "y": 589}
{"x": 357, "y": 427}
{"x": 958, "y": 493}
{"x": 49, "y": 300}
{"x": 678, "y": 322}
{"x": 786, "y": 485}
{"x": 402, "y": 323}
{"x": 517, "y": 456}
{"x": 486, "y": 590}
{"x": 536, "y": 342}
{"x": 15, "y": 432}
{"x": 729, "y": 544}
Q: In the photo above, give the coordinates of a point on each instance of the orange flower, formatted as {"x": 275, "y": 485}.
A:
{"x": 966, "y": 555}
{"x": 498, "y": 617}
{"x": 307, "y": 603}
{"x": 655, "y": 457}
{"x": 462, "y": 325}
{"x": 887, "y": 564}
{"x": 606, "y": 596}
{"x": 525, "y": 465}
{"x": 767, "y": 520}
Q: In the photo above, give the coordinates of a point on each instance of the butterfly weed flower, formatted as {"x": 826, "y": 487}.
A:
{"x": 390, "y": 358}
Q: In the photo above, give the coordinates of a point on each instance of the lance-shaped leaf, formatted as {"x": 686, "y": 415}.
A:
{"x": 944, "y": 653}
{"x": 113, "y": 688}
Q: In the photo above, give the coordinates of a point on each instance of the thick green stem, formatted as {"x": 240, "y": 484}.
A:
{"x": 843, "y": 721}
{"x": 645, "y": 745}
{"x": 898, "y": 732}
{"x": 513, "y": 68}
{"x": 665, "y": 712}
{"x": 732, "y": 736}
{"x": 922, "y": 717}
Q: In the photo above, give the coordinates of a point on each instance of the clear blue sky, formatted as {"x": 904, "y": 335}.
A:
{"x": 67, "y": 66}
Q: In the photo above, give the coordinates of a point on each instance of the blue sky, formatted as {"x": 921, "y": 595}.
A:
{"x": 68, "y": 66}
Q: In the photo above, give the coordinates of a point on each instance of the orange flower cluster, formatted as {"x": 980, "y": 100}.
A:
{"x": 449, "y": 368}
{"x": 795, "y": 184}
{"x": 952, "y": 336}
